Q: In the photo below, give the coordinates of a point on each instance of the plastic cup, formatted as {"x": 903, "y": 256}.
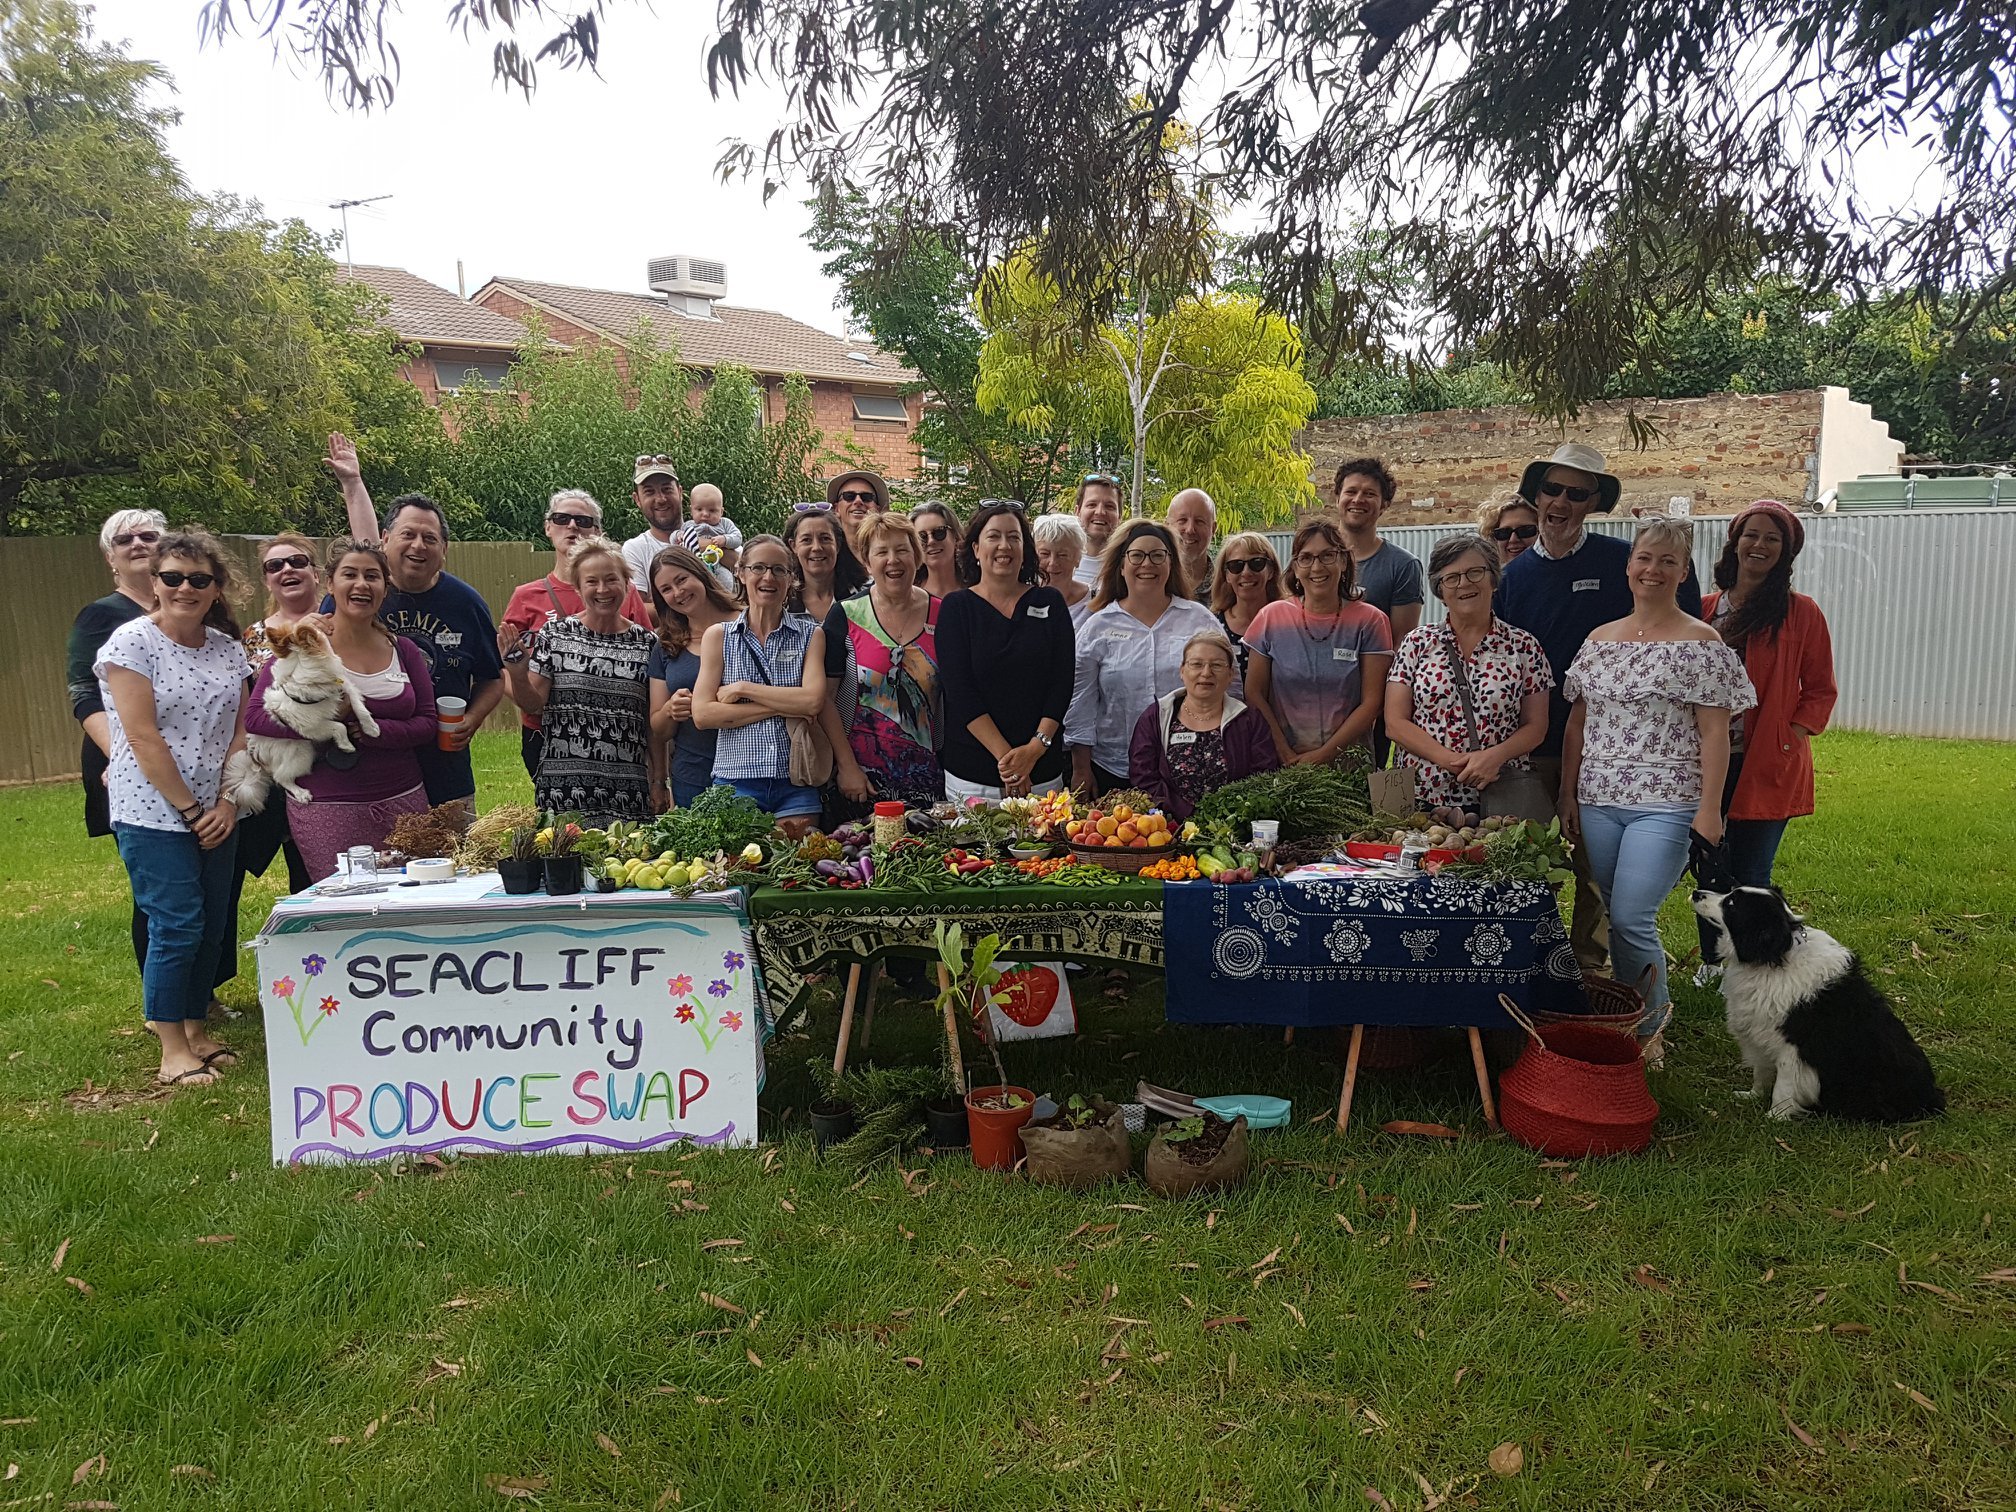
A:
{"x": 1266, "y": 833}
{"x": 449, "y": 712}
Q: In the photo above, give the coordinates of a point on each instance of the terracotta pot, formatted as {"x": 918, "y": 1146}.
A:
{"x": 945, "y": 1123}
{"x": 997, "y": 1132}
{"x": 521, "y": 876}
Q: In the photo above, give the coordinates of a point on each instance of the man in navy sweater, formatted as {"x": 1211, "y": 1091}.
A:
{"x": 1568, "y": 584}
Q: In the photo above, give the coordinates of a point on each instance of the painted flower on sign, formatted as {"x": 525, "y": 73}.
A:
{"x": 733, "y": 960}
{"x": 731, "y": 1021}
{"x": 682, "y": 986}
{"x": 685, "y": 1013}
{"x": 284, "y": 988}
{"x": 717, "y": 988}
{"x": 313, "y": 965}
{"x": 329, "y": 1005}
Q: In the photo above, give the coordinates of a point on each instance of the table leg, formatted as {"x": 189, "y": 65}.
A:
{"x": 846, "y": 1019}
{"x": 1288, "y": 1035}
{"x": 1350, "y": 1077}
{"x": 868, "y": 1005}
{"x": 952, "y": 1033}
{"x": 1483, "y": 1076}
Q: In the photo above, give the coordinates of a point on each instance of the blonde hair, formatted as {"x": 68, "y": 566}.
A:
{"x": 887, "y": 523}
{"x": 1215, "y": 638}
{"x": 585, "y": 550}
{"x": 1221, "y": 581}
{"x": 301, "y": 544}
{"x": 1668, "y": 532}
{"x": 1491, "y": 511}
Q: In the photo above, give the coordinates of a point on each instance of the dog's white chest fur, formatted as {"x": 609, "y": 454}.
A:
{"x": 1758, "y": 997}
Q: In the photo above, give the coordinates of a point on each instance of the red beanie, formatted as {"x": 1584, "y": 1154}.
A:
{"x": 1786, "y": 521}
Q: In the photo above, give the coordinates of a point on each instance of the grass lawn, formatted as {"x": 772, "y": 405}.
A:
{"x": 1650, "y": 1331}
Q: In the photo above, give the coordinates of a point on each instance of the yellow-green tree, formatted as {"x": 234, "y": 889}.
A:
{"x": 1193, "y": 391}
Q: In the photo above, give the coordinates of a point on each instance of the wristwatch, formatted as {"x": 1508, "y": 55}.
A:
{"x": 1047, "y": 741}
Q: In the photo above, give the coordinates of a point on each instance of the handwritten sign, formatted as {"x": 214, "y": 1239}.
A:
{"x": 402, "y": 1035}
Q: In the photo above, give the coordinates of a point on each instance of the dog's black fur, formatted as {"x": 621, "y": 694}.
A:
{"x": 1789, "y": 987}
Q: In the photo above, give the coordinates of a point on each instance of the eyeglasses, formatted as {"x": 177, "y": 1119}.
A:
{"x": 1517, "y": 532}
{"x": 653, "y": 459}
{"x": 812, "y": 506}
{"x": 144, "y": 537}
{"x": 935, "y": 533}
{"x": 1319, "y": 559}
{"x": 196, "y": 580}
{"x": 579, "y": 522}
{"x": 292, "y": 563}
{"x": 852, "y": 496}
{"x": 1575, "y": 495}
{"x": 1243, "y": 564}
{"x": 1146, "y": 558}
{"x": 766, "y": 569}
{"x": 1466, "y": 576}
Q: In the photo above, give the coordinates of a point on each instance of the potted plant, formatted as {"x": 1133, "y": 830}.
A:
{"x": 868, "y": 1112}
{"x": 520, "y": 864}
{"x": 997, "y": 1113}
{"x": 1080, "y": 1145}
{"x": 1199, "y": 1154}
{"x": 560, "y": 843}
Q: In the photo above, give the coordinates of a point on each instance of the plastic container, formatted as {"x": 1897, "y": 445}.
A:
{"x": 889, "y": 826}
{"x": 448, "y": 715}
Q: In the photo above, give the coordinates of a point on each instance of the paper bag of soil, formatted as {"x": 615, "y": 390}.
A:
{"x": 1211, "y": 1161}
{"x": 1060, "y": 1155}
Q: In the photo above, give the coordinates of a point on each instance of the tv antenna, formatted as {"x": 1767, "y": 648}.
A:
{"x": 345, "y": 206}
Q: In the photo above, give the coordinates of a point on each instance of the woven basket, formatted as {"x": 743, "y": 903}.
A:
{"x": 1121, "y": 858}
{"x": 1577, "y": 1089}
{"x": 1612, "y": 1005}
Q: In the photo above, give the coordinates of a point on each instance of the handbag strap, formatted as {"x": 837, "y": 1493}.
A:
{"x": 1462, "y": 687}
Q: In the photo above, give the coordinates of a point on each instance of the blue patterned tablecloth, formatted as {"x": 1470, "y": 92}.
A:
{"x": 1365, "y": 950}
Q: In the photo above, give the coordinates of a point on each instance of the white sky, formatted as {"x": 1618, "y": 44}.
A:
{"x": 581, "y": 185}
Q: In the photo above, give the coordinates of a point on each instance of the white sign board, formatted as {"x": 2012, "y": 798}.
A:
{"x": 546, "y": 1026}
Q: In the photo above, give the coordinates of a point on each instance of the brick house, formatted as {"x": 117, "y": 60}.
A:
{"x": 857, "y": 390}
{"x": 461, "y": 344}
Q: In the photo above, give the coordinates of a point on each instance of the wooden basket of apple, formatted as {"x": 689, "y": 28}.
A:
{"x": 1120, "y": 840}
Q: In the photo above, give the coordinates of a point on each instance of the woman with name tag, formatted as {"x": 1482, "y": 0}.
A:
{"x": 1130, "y": 650}
{"x": 1315, "y": 655}
{"x": 1199, "y": 738}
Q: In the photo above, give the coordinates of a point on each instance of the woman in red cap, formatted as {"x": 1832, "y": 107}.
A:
{"x": 1782, "y": 638}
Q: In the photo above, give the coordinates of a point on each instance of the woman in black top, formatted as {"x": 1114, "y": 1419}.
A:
{"x": 1006, "y": 656}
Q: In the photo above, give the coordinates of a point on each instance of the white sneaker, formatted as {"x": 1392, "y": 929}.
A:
{"x": 1708, "y": 973}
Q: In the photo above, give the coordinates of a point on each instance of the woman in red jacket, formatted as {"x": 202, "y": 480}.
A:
{"x": 1782, "y": 638}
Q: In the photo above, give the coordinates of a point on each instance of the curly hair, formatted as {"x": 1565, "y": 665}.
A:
{"x": 849, "y": 576}
{"x": 1372, "y": 468}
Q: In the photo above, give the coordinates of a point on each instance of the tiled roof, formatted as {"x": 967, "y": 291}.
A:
{"x": 426, "y": 312}
{"x": 762, "y": 340}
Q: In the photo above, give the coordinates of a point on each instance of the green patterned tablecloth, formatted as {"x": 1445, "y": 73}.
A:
{"x": 799, "y": 933}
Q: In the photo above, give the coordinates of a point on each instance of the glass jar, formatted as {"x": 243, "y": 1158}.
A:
{"x": 889, "y": 824}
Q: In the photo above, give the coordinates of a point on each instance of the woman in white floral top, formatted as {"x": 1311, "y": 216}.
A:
{"x": 1504, "y": 668}
{"x": 1645, "y": 754}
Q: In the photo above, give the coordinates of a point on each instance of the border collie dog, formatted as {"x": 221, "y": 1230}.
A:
{"x": 1816, "y": 1034}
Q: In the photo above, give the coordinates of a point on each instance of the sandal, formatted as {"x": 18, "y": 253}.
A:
{"x": 222, "y": 1053}
{"x": 188, "y": 1077}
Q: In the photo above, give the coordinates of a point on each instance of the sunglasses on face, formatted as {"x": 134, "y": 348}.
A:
{"x": 813, "y": 506}
{"x": 197, "y": 580}
{"x": 1575, "y": 495}
{"x": 1243, "y": 564}
{"x": 1517, "y": 532}
{"x": 850, "y": 496}
{"x": 144, "y": 537}
{"x": 932, "y": 535}
{"x": 579, "y": 522}
{"x": 292, "y": 563}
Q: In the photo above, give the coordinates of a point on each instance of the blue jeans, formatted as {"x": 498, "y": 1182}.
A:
{"x": 777, "y": 795}
{"x": 185, "y": 891}
{"x": 1637, "y": 855}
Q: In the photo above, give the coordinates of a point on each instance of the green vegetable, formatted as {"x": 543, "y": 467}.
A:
{"x": 1526, "y": 852}
{"x": 1307, "y": 801}
{"x": 720, "y": 819}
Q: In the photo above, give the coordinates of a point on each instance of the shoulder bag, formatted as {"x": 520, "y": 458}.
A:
{"x": 1518, "y": 793}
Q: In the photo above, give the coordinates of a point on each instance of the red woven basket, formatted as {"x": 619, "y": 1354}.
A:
{"x": 1577, "y": 1089}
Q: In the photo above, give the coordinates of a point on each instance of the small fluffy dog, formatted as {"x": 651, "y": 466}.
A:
{"x": 309, "y": 695}
{"x": 1816, "y": 1034}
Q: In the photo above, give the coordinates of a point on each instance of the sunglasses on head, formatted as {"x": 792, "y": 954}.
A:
{"x": 813, "y": 506}
{"x": 1243, "y": 564}
{"x": 292, "y": 563}
{"x": 196, "y": 580}
{"x": 653, "y": 459}
{"x": 144, "y": 537}
{"x": 1575, "y": 495}
{"x": 578, "y": 521}
{"x": 1111, "y": 480}
{"x": 1517, "y": 532}
{"x": 1015, "y": 504}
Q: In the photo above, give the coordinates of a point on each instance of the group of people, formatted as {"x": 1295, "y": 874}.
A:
{"x": 865, "y": 653}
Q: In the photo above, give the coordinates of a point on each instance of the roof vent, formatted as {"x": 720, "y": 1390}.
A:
{"x": 861, "y": 357}
{"x": 687, "y": 278}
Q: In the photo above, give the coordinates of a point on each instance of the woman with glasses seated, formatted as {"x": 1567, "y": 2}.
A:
{"x": 1466, "y": 700}
{"x": 1512, "y": 524}
{"x": 938, "y": 536}
{"x": 1248, "y": 580}
{"x": 1130, "y": 650}
{"x": 1319, "y": 660}
{"x": 1199, "y": 738}
{"x": 762, "y": 668}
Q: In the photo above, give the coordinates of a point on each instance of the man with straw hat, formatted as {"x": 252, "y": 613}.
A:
{"x": 855, "y": 496}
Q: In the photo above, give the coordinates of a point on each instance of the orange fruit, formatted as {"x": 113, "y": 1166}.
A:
{"x": 1109, "y": 826}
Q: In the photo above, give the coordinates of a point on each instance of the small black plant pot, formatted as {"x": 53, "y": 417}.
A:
{"x": 831, "y": 1122}
{"x": 945, "y": 1123}
{"x": 521, "y": 876}
{"x": 563, "y": 876}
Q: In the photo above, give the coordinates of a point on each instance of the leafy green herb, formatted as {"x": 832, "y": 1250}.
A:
{"x": 720, "y": 819}
{"x": 1307, "y": 801}
{"x": 1184, "y": 1130}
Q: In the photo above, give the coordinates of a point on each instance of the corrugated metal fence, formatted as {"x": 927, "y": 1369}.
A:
{"x": 1921, "y": 604}
{"x": 50, "y": 578}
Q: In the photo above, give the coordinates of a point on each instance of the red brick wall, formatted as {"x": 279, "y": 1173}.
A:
{"x": 1722, "y": 451}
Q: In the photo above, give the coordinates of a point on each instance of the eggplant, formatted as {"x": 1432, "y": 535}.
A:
{"x": 920, "y": 823}
{"x": 829, "y": 868}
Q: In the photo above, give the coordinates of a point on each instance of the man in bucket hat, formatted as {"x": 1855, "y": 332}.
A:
{"x": 1571, "y": 581}
{"x": 855, "y": 496}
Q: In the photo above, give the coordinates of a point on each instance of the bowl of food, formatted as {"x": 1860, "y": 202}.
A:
{"x": 1122, "y": 839}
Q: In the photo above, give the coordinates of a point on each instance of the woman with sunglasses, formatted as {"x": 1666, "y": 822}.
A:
{"x": 1511, "y": 525}
{"x": 1130, "y": 651}
{"x": 938, "y": 535}
{"x": 127, "y": 539}
{"x": 1248, "y": 580}
{"x": 356, "y": 798}
{"x": 1320, "y": 660}
{"x": 762, "y": 668}
{"x": 173, "y": 684}
{"x": 293, "y": 593}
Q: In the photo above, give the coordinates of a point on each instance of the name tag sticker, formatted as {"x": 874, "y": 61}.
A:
{"x": 1039, "y": 611}
{"x": 1182, "y": 737}
{"x": 1586, "y": 585}
{"x": 1118, "y": 635}
{"x": 1344, "y": 653}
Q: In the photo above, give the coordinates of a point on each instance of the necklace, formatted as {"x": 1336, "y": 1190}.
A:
{"x": 1336, "y": 619}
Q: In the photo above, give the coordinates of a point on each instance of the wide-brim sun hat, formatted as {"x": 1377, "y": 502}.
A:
{"x": 873, "y": 480}
{"x": 1583, "y": 458}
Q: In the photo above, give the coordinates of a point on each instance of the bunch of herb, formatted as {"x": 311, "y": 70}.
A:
{"x": 1524, "y": 852}
{"x": 888, "y": 1108}
{"x": 720, "y": 819}
{"x": 1309, "y": 802}
{"x": 916, "y": 864}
